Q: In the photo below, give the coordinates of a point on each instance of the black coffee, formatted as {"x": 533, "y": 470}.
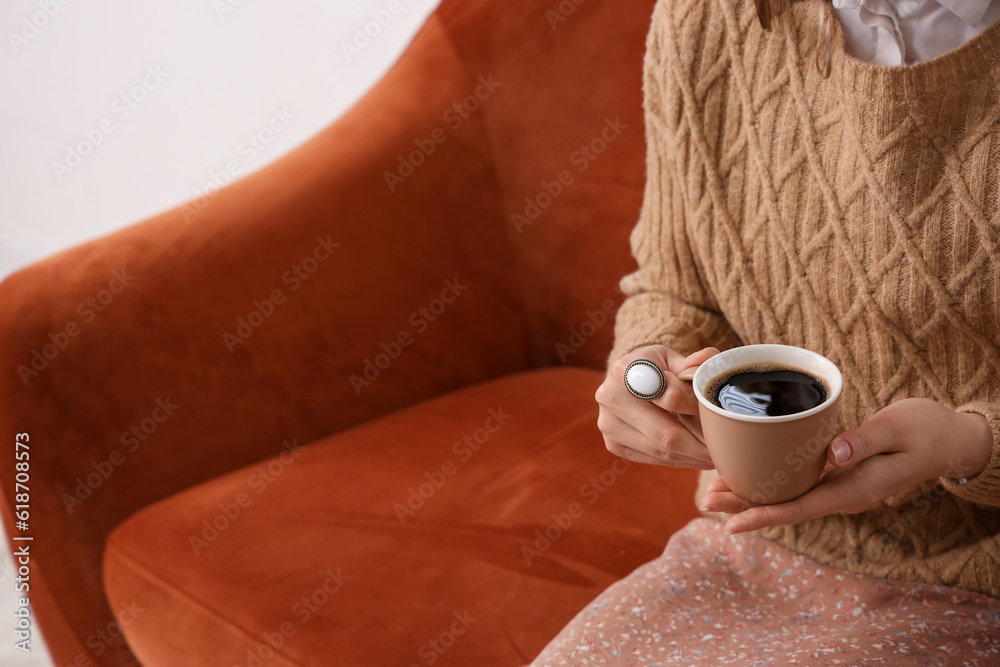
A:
{"x": 766, "y": 388}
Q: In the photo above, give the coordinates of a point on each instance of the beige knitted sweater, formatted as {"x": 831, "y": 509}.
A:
{"x": 857, "y": 216}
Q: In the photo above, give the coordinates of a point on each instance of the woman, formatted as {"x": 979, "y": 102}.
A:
{"x": 830, "y": 184}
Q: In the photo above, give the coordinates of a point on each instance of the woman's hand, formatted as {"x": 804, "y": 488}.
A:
{"x": 645, "y": 431}
{"x": 904, "y": 444}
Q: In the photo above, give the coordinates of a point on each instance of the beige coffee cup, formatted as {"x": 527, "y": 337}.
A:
{"x": 769, "y": 459}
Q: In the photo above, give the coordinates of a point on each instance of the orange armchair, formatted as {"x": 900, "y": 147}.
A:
{"x": 342, "y": 411}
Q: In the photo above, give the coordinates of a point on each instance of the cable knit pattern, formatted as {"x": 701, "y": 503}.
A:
{"x": 857, "y": 216}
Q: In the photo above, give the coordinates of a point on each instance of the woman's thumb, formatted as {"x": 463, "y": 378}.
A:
{"x": 700, "y": 357}
{"x": 851, "y": 447}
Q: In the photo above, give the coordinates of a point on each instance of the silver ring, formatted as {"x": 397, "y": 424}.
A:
{"x": 645, "y": 380}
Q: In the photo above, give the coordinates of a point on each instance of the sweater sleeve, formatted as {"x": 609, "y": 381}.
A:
{"x": 984, "y": 488}
{"x": 667, "y": 301}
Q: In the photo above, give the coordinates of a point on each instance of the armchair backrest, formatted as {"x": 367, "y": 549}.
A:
{"x": 558, "y": 87}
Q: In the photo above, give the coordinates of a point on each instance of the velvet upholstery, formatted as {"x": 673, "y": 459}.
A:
{"x": 518, "y": 297}
{"x": 412, "y": 518}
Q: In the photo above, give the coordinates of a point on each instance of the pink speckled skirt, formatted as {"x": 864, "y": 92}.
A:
{"x": 713, "y": 599}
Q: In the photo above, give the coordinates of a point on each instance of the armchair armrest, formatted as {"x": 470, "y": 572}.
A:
{"x": 304, "y": 299}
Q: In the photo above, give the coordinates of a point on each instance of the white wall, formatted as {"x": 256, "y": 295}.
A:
{"x": 222, "y": 67}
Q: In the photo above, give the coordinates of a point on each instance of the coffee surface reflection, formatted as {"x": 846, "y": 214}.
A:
{"x": 766, "y": 389}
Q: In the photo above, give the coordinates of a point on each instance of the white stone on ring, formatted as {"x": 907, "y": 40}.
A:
{"x": 644, "y": 379}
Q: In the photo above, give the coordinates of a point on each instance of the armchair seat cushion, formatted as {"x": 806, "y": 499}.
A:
{"x": 467, "y": 529}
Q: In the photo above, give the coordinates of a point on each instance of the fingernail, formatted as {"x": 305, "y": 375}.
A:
{"x": 841, "y": 451}
{"x": 733, "y": 526}
{"x": 705, "y": 507}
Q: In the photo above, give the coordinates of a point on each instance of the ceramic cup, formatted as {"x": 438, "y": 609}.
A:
{"x": 762, "y": 458}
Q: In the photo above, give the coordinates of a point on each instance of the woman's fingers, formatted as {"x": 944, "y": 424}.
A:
{"x": 725, "y": 501}
{"x": 717, "y": 485}
{"x": 677, "y": 396}
{"x": 647, "y": 431}
{"x": 699, "y": 357}
{"x": 849, "y": 490}
{"x": 625, "y": 452}
{"x": 673, "y": 445}
{"x": 719, "y": 498}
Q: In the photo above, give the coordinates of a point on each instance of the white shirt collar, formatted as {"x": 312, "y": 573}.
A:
{"x": 970, "y": 11}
